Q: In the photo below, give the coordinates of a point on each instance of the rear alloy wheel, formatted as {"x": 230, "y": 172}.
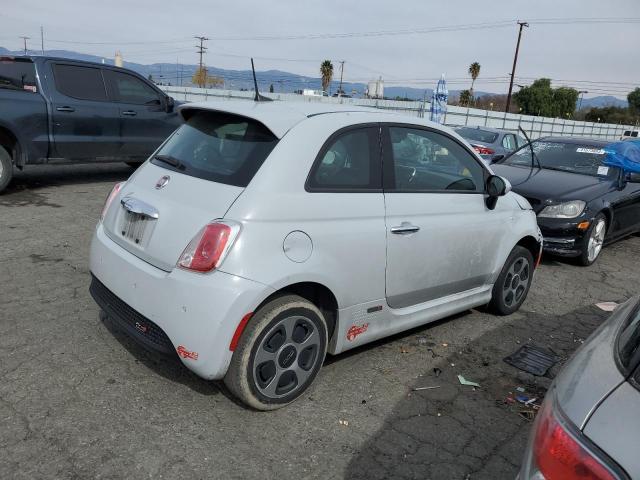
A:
{"x": 513, "y": 283}
{"x": 595, "y": 240}
{"x": 279, "y": 353}
{"x": 6, "y": 168}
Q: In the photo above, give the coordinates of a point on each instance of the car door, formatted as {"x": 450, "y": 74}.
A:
{"x": 85, "y": 124}
{"x": 441, "y": 238}
{"x": 144, "y": 120}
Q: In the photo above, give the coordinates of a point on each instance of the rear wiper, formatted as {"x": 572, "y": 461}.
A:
{"x": 169, "y": 160}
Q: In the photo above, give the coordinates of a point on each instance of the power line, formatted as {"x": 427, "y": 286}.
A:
{"x": 25, "y": 42}
{"x": 515, "y": 61}
{"x": 202, "y": 72}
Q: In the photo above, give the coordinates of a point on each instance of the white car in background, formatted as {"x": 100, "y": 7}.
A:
{"x": 261, "y": 236}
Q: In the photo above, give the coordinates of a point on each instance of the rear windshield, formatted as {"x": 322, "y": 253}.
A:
{"x": 17, "y": 74}
{"x": 217, "y": 146}
{"x": 586, "y": 159}
{"x": 477, "y": 134}
{"x": 629, "y": 341}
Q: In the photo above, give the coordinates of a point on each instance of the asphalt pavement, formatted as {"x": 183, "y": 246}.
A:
{"x": 78, "y": 400}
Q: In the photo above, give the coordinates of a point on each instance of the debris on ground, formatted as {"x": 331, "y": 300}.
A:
{"x": 445, "y": 345}
{"x": 527, "y": 414}
{"x": 532, "y": 359}
{"x": 464, "y": 381}
{"x": 607, "y": 306}
{"x": 437, "y": 372}
{"x": 425, "y": 388}
{"x": 404, "y": 350}
{"x": 344, "y": 422}
{"x": 520, "y": 389}
{"x": 526, "y": 400}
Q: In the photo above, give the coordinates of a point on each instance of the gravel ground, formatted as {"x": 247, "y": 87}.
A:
{"x": 79, "y": 400}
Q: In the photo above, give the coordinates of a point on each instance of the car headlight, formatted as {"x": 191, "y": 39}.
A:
{"x": 564, "y": 210}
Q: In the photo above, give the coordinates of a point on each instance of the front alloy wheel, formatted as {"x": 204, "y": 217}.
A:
{"x": 595, "y": 241}
{"x": 511, "y": 288}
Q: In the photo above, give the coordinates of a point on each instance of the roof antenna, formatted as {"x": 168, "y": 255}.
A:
{"x": 258, "y": 97}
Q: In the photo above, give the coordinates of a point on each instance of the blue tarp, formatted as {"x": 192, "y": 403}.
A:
{"x": 624, "y": 155}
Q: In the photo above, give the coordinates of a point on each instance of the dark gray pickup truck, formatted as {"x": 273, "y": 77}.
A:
{"x": 55, "y": 110}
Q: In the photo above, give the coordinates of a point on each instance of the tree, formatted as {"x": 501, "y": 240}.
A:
{"x": 474, "y": 71}
{"x": 150, "y": 78}
{"x": 202, "y": 78}
{"x": 634, "y": 100}
{"x": 610, "y": 114}
{"x": 540, "y": 99}
{"x": 271, "y": 88}
{"x": 465, "y": 98}
{"x": 326, "y": 72}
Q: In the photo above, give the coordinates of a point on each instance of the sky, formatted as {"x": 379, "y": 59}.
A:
{"x": 597, "y": 57}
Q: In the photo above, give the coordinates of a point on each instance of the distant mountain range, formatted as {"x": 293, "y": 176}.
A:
{"x": 181, "y": 74}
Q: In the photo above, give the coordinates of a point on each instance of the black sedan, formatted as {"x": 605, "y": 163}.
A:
{"x": 581, "y": 203}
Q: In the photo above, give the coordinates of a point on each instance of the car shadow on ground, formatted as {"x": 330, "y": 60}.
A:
{"x": 458, "y": 431}
{"x": 23, "y": 189}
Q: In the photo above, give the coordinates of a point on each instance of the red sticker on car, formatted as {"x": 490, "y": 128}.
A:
{"x": 184, "y": 353}
{"x": 356, "y": 330}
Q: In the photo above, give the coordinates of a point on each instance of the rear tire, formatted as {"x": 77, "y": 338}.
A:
{"x": 279, "y": 354}
{"x": 595, "y": 239}
{"x": 6, "y": 168}
{"x": 513, "y": 283}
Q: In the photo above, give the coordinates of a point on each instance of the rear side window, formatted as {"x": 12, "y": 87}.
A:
{"x": 130, "y": 89}
{"x": 349, "y": 161}
{"x": 427, "y": 161}
{"x": 219, "y": 147}
{"x": 83, "y": 83}
{"x": 509, "y": 142}
{"x": 17, "y": 74}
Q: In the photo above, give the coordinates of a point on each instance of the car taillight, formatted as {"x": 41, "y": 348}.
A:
{"x": 558, "y": 454}
{"x": 114, "y": 193}
{"x": 209, "y": 247}
{"x": 483, "y": 150}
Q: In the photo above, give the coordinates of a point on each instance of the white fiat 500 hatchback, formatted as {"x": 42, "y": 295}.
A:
{"x": 261, "y": 236}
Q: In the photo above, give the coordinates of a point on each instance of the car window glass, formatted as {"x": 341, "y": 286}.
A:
{"x": 629, "y": 340}
{"x": 508, "y": 142}
{"x": 477, "y": 134}
{"x": 521, "y": 141}
{"x": 429, "y": 161}
{"x": 350, "y": 161}
{"x": 130, "y": 89}
{"x": 17, "y": 74}
{"x": 84, "y": 83}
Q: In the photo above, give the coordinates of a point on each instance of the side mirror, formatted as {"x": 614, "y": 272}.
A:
{"x": 496, "y": 187}
{"x": 170, "y": 103}
{"x": 632, "y": 177}
{"x": 496, "y": 158}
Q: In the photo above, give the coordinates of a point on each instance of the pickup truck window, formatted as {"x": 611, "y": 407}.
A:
{"x": 17, "y": 74}
{"x": 130, "y": 89}
{"x": 84, "y": 83}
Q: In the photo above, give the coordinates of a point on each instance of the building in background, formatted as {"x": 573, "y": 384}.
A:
{"x": 375, "y": 89}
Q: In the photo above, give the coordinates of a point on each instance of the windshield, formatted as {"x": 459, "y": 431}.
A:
{"x": 629, "y": 341}
{"x": 584, "y": 159}
{"x": 217, "y": 146}
{"x": 477, "y": 134}
{"x": 17, "y": 74}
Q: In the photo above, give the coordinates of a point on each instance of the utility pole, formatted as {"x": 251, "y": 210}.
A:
{"x": 341, "y": 72}
{"x": 515, "y": 61}
{"x": 42, "y": 39}
{"x": 581, "y": 93}
{"x": 202, "y": 77}
{"x": 25, "y": 43}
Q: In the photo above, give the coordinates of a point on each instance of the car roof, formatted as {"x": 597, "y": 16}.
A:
{"x": 277, "y": 116}
{"x": 486, "y": 129}
{"x": 577, "y": 141}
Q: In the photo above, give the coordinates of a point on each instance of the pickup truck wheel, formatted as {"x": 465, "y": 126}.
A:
{"x": 6, "y": 168}
{"x": 279, "y": 353}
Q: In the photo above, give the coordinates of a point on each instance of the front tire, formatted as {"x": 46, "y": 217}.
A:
{"x": 279, "y": 354}
{"x": 513, "y": 283}
{"x": 6, "y": 168}
{"x": 595, "y": 240}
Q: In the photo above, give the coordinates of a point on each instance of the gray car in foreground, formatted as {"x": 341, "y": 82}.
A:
{"x": 589, "y": 424}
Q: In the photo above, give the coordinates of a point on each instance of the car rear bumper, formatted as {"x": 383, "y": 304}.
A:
{"x": 189, "y": 313}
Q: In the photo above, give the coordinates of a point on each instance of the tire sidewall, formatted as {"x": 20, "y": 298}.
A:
{"x": 7, "y": 168}
{"x": 584, "y": 255}
{"x": 266, "y": 318}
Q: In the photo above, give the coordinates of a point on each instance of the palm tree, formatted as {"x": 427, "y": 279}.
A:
{"x": 474, "y": 71}
{"x": 326, "y": 71}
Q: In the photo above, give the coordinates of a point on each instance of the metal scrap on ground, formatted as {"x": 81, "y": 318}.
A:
{"x": 532, "y": 359}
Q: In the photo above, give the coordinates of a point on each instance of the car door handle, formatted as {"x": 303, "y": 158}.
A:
{"x": 129, "y": 113}
{"x": 405, "y": 228}
{"x": 65, "y": 109}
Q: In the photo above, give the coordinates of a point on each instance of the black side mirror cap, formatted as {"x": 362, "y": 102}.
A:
{"x": 632, "y": 177}
{"x": 496, "y": 158}
{"x": 496, "y": 186}
{"x": 169, "y": 105}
